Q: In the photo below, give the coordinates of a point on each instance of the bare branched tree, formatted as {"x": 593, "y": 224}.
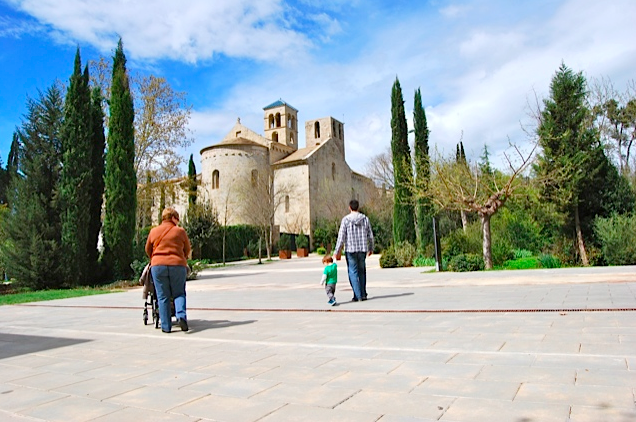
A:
{"x": 459, "y": 186}
{"x": 260, "y": 198}
{"x": 380, "y": 169}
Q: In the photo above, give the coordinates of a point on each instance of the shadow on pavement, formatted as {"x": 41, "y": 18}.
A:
{"x": 349, "y": 302}
{"x": 388, "y": 296}
{"x": 19, "y": 344}
{"x": 221, "y": 275}
{"x": 197, "y": 325}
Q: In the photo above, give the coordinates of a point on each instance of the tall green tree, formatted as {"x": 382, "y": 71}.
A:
{"x": 572, "y": 154}
{"x": 98, "y": 146}
{"x": 120, "y": 178}
{"x": 4, "y": 181}
{"x": 460, "y": 159}
{"x": 192, "y": 182}
{"x": 32, "y": 252}
{"x": 423, "y": 210}
{"x": 403, "y": 206}
{"x": 75, "y": 180}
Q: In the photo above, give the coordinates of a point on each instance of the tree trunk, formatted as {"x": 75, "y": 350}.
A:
{"x": 486, "y": 244}
{"x": 259, "y": 250}
{"x": 464, "y": 220}
{"x": 579, "y": 237}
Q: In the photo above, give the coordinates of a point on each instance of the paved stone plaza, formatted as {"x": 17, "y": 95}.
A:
{"x": 541, "y": 345}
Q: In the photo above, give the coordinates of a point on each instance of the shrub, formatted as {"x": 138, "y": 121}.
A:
{"x": 284, "y": 243}
{"x": 302, "y": 241}
{"x": 549, "y": 261}
{"x": 388, "y": 258}
{"x": 466, "y": 262}
{"x": 617, "y": 236}
{"x": 138, "y": 266}
{"x": 526, "y": 263}
{"x": 321, "y": 250}
{"x": 421, "y": 261}
{"x": 405, "y": 253}
{"x": 522, "y": 253}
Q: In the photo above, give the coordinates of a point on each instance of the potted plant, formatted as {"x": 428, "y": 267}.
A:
{"x": 302, "y": 245}
{"x": 284, "y": 246}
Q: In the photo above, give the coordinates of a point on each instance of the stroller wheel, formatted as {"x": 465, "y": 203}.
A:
{"x": 145, "y": 316}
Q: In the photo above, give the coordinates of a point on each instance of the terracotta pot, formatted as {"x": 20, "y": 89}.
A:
{"x": 283, "y": 254}
{"x": 302, "y": 252}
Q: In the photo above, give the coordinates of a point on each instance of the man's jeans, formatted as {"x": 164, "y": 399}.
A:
{"x": 357, "y": 270}
{"x": 170, "y": 282}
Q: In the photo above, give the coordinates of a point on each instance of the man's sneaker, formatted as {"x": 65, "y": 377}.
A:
{"x": 183, "y": 323}
{"x": 331, "y": 302}
{"x": 354, "y": 299}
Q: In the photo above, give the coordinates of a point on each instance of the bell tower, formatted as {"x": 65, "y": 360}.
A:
{"x": 281, "y": 123}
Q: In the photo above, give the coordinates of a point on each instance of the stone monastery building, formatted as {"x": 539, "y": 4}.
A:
{"x": 308, "y": 183}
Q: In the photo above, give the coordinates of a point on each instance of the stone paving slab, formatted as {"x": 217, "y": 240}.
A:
{"x": 264, "y": 346}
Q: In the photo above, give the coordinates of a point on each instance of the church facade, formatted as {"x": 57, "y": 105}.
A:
{"x": 302, "y": 185}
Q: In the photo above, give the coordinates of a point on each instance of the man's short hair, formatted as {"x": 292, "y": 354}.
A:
{"x": 354, "y": 205}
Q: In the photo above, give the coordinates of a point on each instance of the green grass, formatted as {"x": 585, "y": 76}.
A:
{"x": 25, "y": 297}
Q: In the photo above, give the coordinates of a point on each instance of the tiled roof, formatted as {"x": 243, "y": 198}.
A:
{"x": 278, "y": 104}
{"x": 298, "y": 155}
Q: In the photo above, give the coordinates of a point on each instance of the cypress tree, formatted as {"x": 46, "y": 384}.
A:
{"x": 98, "y": 145}
{"x": 403, "y": 207}
{"x": 33, "y": 225}
{"x": 120, "y": 178}
{"x": 4, "y": 181}
{"x": 76, "y": 181}
{"x": 13, "y": 160}
{"x": 423, "y": 210}
{"x": 192, "y": 182}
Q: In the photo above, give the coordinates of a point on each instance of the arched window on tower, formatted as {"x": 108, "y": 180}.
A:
{"x": 254, "y": 177}
{"x": 291, "y": 138}
{"x": 277, "y": 119}
{"x": 275, "y": 136}
{"x": 215, "y": 179}
{"x": 333, "y": 171}
{"x": 286, "y": 203}
{"x": 317, "y": 130}
{"x": 289, "y": 121}
{"x": 333, "y": 129}
{"x": 341, "y": 132}
{"x": 270, "y": 119}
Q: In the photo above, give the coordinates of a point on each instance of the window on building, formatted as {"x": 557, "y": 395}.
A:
{"x": 271, "y": 121}
{"x": 334, "y": 132}
{"x": 289, "y": 121}
{"x": 254, "y": 177}
{"x": 291, "y": 138}
{"x": 215, "y": 179}
{"x": 277, "y": 119}
{"x": 286, "y": 203}
{"x": 317, "y": 130}
{"x": 341, "y": 131}
{"x": 238, "y": 133}
{"x": 333, "y": 171}
{"x": 275, "y": 136}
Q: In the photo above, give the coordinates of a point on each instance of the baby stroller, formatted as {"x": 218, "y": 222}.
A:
{"x": 151, "y": 301}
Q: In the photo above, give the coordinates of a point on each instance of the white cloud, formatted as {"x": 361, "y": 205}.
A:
{"x": 191, "y": 32}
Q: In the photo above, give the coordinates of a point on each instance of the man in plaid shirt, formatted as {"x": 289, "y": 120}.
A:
{"x": 356, "y": 234}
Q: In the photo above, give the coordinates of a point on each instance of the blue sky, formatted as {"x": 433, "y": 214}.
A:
{"x": 477, "y": 62}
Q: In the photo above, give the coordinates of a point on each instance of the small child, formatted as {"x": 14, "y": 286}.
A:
{"x": 330, "y": 278}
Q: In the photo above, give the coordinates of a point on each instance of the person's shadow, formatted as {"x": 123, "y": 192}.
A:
{"x": 379, "y": 297}
{"x": 198, "y": 325}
